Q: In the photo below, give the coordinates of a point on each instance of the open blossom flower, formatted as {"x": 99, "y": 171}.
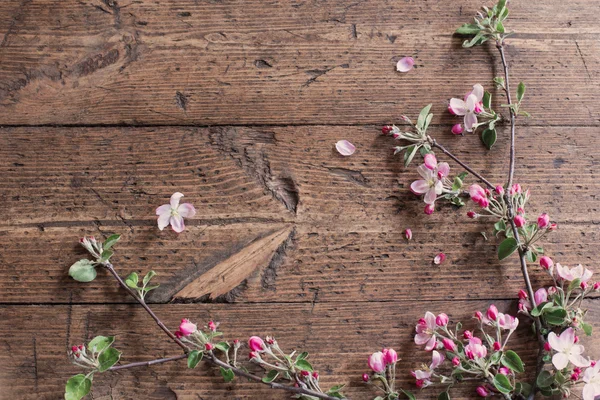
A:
{"x": 174, "y": 213}
{"x": 475, "y": 349}
{"x": 566, "y": 350}
{"x": 377, "y": 362}
{"x": 578, "y": 272}
{"x": 478, "y": 195}
{"x": 508, "y": 322}
{"x": 426, "y": 328}
{"x": 432, "y": 183}
{"x": 424, "y": 376}
{"x": 469, "y": 107}
{"x": 591, "y": 377}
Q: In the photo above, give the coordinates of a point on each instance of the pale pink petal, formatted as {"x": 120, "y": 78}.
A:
{"x": 175, "y": 200}
{"x": 430, "y": 320}
{"x": 422, "y": 338}
{"x": 177, "y": 223}
{"x": 419, "y": 187}
{"x": 444, "y": 168}
{"x": 425, "y": 172}
{"x": 422, "y": 374}
{"x": 577, "y": 349}
{"x": 405, "y": 64}
{"x": 458, "y": 107}
{"x": 560, "y": 360}
{"x": 430, "y": 161}
{"x": 589, "y": 392}
{"x": 430, "y": 344}
{"x": 471, "y": 103}
{"x": 439, "y": 258}
{"x": 163, "y": 219}
{"x": 555, "y": 342}
{"x": 345, "y": 148}
{"x": 470, "y": 121}
{"x": 439, "y": 187}
{"x": 579, "y": 361}
{"x": 430, "y": 196}
{"x": 165, "y": 208}
{"x": 436, "y": 359}
{"x": 478, "y": 92}
{"x": 567, "y": 337}
{"x": 186, "y": 210}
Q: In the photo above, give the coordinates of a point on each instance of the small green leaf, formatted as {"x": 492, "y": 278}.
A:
{"x": 468, "y": 29}
{"x": 132, "y": 280}
{"x": 556, "y": 317}
{"x": 507, "y": 247}
{"x": 500, "y": 27}
{"x": 110, "y": 241}
{"x": 304, "y": 365}
{"x": 223, "y": 346}
{"x": 444, "y": 396}
{"x": 545, "y": 379}
{"x": 488, "y": 137}
{"x": 587, "y": 328}
{"x": 194, "y": 358}
{"x": 523, "y": 387}
{"x": 106, "y": 255}
{"x": 83, "y": 271}
{"x": 100, "y": 343}
{"x": 500, "y": 225}
{"x": 476, "y": 40}
{"x": 151, "y": 287}
{"x": 499, "y": 81}
{"x": 227, "y": 374}
{"x": 520, "y": 91}
{"x": 408, "y": 394}
{"x": 487, "y": 99}
{"x": 575, "y": 283}
{"x": 271, "y": 376}
{"x": 513, "y": 361}
{"x": 151, "y": 274}
{"x": 502, "y": 383}
{"x": 108, "y": 358}
{"x": 77, "y": 387}
{"x": 501, "y": 4}
{"x": 409, "y": 154}
{"x": 302, "y": 356}
{"x": 457, "y": 184}
{"x": 427, "y": 122}
{"x": 423, "y": 116}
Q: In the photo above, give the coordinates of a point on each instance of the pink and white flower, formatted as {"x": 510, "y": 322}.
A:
{"x": 186, "y": 328}
{"x": 507, "y": 322}
{"x": 426, "y": 328}
{"x": 377, "y": 362}
{"x": 432, "y": 184}
{"x": 570, "y": 274}
{"x": 475, "y": 349}
{"x": 469, "y": 107}
{"x": 566, "y": 350}
{"x": 591, "y": 377}
{"x": 174, "y": 213}
{"x": 256, "y": 343}
{"x": 424, "y": 376}
{"x": 390, "y": 356}
{"x": 478, "y": 195}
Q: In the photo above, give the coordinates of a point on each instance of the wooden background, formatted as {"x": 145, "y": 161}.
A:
{"x": 109, "y": 106}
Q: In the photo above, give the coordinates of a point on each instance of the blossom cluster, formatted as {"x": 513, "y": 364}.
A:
{"x": 383, "y": 377}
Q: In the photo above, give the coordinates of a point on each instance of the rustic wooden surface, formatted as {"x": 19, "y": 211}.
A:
{"x": 238, "y": 105}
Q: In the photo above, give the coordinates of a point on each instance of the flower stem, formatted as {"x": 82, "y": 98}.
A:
{"x": 210, "y": 358}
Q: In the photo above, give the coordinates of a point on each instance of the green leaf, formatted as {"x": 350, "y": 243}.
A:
{"x": 132, "y": 280}
{"x": 587, "y": 328}
{"x": 545, "y": 379}
{"x": 520, "y": 91}
{"x": 151, "y": 287}
{"x": 499, "y": 81}
{"x": 108, "y": 358}
{"x": 227, "y": 374}
{"x": 556, "y": 317}
{"x": 408, "y": 394}
{"x": 575, "y": 283}
{"x": 513, "y": 361}
{"x": 502, "y": 383}
{"x": 427, "y": 122}
{"x": 304, "y": 365}
{"x": 83, "y": 271}
{"x": 488, "y": 137}
{"x": 223, "y": 346}
{"x": 444, "y": 396}
{"x": 336, "y": 388}
{"x": 457, "y": 184}
{"x": 302, "y": 356}
{"x": 468, "y": 29}
{"x": 476, "y": 40}
{"x": 106, "y": 255}
{"x": 500, "y": 27}
{"x": 507, "y": 247}
{"x": 110, "y": 241}
{"x": 463, "y": 175}
{"x": 151, "y": 274}
{"x": 409, "y": 154}
{"x": 500, "y": 225}
{"x": 77, "y": 387}
{"x": 487, "y": 99}
{"x": 194, "y": 358}
{"x": 100, "y": 343}
{"x": 501, "y": 4}
{"x": 271, "y": 376}
{"x": 423, "y": 116}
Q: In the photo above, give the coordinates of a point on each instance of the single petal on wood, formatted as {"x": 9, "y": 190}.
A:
{"x": 345, "y": 148}
{"x": 405, "y": 64}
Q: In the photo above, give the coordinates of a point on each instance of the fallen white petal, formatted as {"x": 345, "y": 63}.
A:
{"x": 405, "y": 64}
{"x": 345, "y": 148}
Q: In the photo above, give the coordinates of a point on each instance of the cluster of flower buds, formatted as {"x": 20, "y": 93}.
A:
{"x": 202, "y": 339}
{"x": 91, "y": 245}
{"x": 383, "y": 365}
{"x": 82, "y": 358}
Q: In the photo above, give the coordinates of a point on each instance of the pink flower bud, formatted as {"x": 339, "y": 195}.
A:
{"x": 597, "y": 286}
{"x": 547, "y": 346}
{"x": 186, "y": 328}
{"x": 552, "y": 290}
{"x": 252, "y": 355}
{"x": 520, "y": 210}
{"x": 449, "y": 344}
{"x": 522, "y": 294}
{"x": 270, "y": 340}
{"x": 440, "y": 258}
{"x": 420, "y": 383}
{"x": 504, "y": 371}
{"x": 478, "y": 315}
{"x": 543, "y": 221}
{"x": 305, "y": 373}
{"x": 540, "y": 296}
{"x": 482, "y": 391}
{"x": 178, "y": 334}
{"x": 458, "y": 129}
{"x": 468, "y": 334}
{"x": 478, "y": 107}
{"x": 492, "y": 313}
{"x": 376, "y": 362}
{"x": 456, "y": 361}
{"x": 499, "y": 189}
{"x": 212, "y": 326}
{"x": 472, "y": 214}
{"x": 74, "y": 349}
{"x": 553, "y": 227}
{"x": 574, "y": 376}
{"x": 576, "y": 339}
{"x": 497, "y": 346}
{"x": 546, "y": 262}
{"x": 236, "y": 342}
{"x": 209, "y": 346}
{"x": 583, "y": 285}
{"x": 484, "y": 202}
{"x": 429, "y": 209}
{"x": 365, "y": 377}
{"x": 390, "y": 356}
{"x": 442, "y": 319}
{"x": 577, "y": 370}
{"x": 315, "y": 375}
{"x": 516, "y": 188}
{"x": 519, "y": 221}
{"x": 386, "y": 129}
{"x": 430, "y": 161}
{"x": 396, "y": 135}
{"x": 256, "y": 344}
{"x": 408, "y": 234}
{"x": 593, "y": 363}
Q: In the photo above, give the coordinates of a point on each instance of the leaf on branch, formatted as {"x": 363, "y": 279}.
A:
{"x": 488, "y": 137}
{"x": 77, "y": 387}
{"x": 132, "y": 280}
{"x": 108, "y": 358}
{"x": 110, "y": 241}
{"x": 507, "y": 247}
{"x": 151, "y": 274}
{"x": 545, "y": 379}
{"x": 520, "y": 91}
{"x": 304, "y": 365}
{"x": 83, "y": 271}
{"x": 502, "y": 383}
{"x": 468, "y": 29}
{"x": 512, "y": 361}
{"x": 194, "y": 358}
{"x": 100, "y": 343}
{"x": 227, "y": 374}
{"x": 271, "y": 376}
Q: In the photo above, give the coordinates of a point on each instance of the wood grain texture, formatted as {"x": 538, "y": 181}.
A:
{"x": 256, "y": 62}
{"x": 339, "y": 338}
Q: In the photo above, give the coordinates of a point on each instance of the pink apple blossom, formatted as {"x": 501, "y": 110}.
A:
{"x": 426, "y": 328}
{"x": 430, "y": 161}
{"x": 457, "y": 129}
{"x": 479, "y": 196}
{"x": 390, "y": 356}
{"x": 429, "y": 209}
{"x": 432, "y": 184}
{"x": 522, "y": 294}
{"x": 186, "y": 328}
{"x": 519, "y": 221}
{"x": 449, "y": 344}
{"x": 566, "y": 350}
{"x": 492, "y": 312}
{"x": 591, "y": 377}
{"x": 174, "y": 213}
{"x": 546, "y": 262}
{"x": 578, "y": 272}
{"x": 212, "y": 326}
{"x": 475, "y": 349}
{"x": 515, "y": 189}
{"x": 345, "y": 148}
{"x": 499, "y": 189}
{"x": 376, "y": 362}
{"x": 541, "y": 296}
{"x": 424, "y": 376}
{"x": 442, "y": 319}
{"x": 543, "y": 221}
{"x": 469, "y": 107}
{"x": 256, "y": 344}
{"x": 497, "y": 346}
{"x": 365, "y": 377}
{"x": 507, "y": 322}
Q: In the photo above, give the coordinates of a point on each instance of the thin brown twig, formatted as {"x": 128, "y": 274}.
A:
{"x": 147, "y": 363}
{"x": 209, "y": 357}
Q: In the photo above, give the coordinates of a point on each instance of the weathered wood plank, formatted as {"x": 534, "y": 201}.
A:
{"x": 248, "y": 62}
{"x": 339, "y": 337}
